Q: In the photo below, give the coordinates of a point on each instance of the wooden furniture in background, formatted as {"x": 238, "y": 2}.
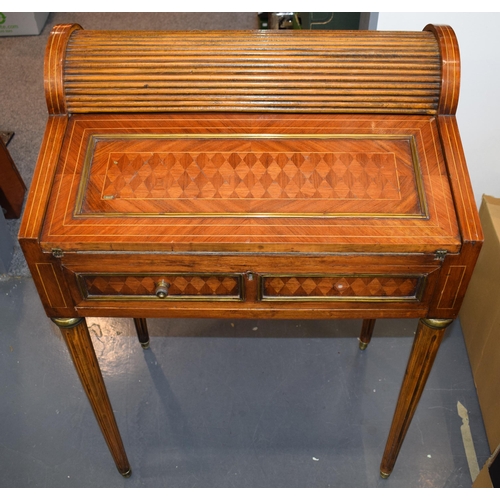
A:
{"x": 291, "y": 174}
{"x": 12, "y": 187}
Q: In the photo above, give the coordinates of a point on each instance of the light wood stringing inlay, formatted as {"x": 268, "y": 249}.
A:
{"x": 50, "y": 284}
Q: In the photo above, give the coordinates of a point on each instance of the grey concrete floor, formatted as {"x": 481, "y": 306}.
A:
{"x": 242, "y": 406}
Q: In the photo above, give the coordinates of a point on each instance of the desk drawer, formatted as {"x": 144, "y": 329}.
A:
{"x": 354, "y": 287}
{"x": 156, "y": 286}
{"x": 257, "y": 285}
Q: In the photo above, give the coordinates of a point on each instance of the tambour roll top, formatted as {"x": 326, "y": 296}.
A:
{"x": 252, "y": 71}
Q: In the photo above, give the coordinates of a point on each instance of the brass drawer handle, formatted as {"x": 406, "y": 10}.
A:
{"x": 162, "y": 289}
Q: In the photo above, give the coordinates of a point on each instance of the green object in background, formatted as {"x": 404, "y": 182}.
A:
{"x": 329, "y": 20}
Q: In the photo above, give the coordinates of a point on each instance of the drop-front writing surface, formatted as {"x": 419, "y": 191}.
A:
{"x": 268, "y": 182}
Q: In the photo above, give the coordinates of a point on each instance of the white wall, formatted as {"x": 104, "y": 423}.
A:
{"x": 478, "y": 110}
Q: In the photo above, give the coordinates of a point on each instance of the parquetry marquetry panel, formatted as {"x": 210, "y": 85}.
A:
{"x": 140, "y": 286}
{"x": 296, "y": 175}
{"x": 342, "y": 287}
{"x": 137, "y": 174}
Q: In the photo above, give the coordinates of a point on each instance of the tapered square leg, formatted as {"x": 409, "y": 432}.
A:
{"x": 425, "y": 347}
{"x": 77, "y": 337}
{"x": 141, "y": 327}
{"x": 366, "y": 333}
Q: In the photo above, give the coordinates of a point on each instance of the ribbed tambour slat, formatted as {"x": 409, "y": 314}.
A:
{"x": 264, "y": 71}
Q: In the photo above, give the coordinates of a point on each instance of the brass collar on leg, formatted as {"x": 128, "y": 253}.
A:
{"x": 126, "y": 474}
{"x": 67, "y": 322}
{"x": 437, "y": 324}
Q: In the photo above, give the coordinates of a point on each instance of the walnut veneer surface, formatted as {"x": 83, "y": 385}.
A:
{"x": 252, "y": 175}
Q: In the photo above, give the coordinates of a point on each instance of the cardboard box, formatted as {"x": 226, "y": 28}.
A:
{"x": 480, "y": 320}
{"x": 489, "y": 477}
{"x": 22, "y": 23}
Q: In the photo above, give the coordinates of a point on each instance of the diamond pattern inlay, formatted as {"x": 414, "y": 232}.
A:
{"x": 122, "y": 285}
{"x": 342, "y": 286}
{"x": 291, "y": 175}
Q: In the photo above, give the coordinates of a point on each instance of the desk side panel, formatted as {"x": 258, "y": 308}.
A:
{"x": 39, "y": 192}
{"x": 457, "y": 268}
{"x": 45, "y": 269}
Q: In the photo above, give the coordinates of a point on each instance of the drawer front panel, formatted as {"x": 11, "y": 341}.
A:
{"x": 357, "y": 288}
{"x": 180, "y": 286}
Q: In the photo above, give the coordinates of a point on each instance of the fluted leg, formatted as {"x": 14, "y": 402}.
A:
{"x": 425, "y": 346}
{"x": 366, "y": 333}
{"x": 77, "y": 337}
{"x": 141, "y": 328}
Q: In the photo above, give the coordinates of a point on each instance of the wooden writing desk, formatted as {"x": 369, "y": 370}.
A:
{"x": 252, "y": 175}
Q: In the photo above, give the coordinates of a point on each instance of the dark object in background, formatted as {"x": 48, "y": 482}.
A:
{"x": 310, "y": 20}
{"x": 12, "y": 187}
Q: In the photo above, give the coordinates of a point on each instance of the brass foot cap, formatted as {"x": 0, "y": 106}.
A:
{"x": 145, "y": 345}
{"x": 384, "y": 475}
{"x": 126, "y": 474}
{"x": 363, "y": 345}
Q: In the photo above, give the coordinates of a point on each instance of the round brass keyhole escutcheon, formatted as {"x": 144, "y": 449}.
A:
{"x": 162, "y": 289}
